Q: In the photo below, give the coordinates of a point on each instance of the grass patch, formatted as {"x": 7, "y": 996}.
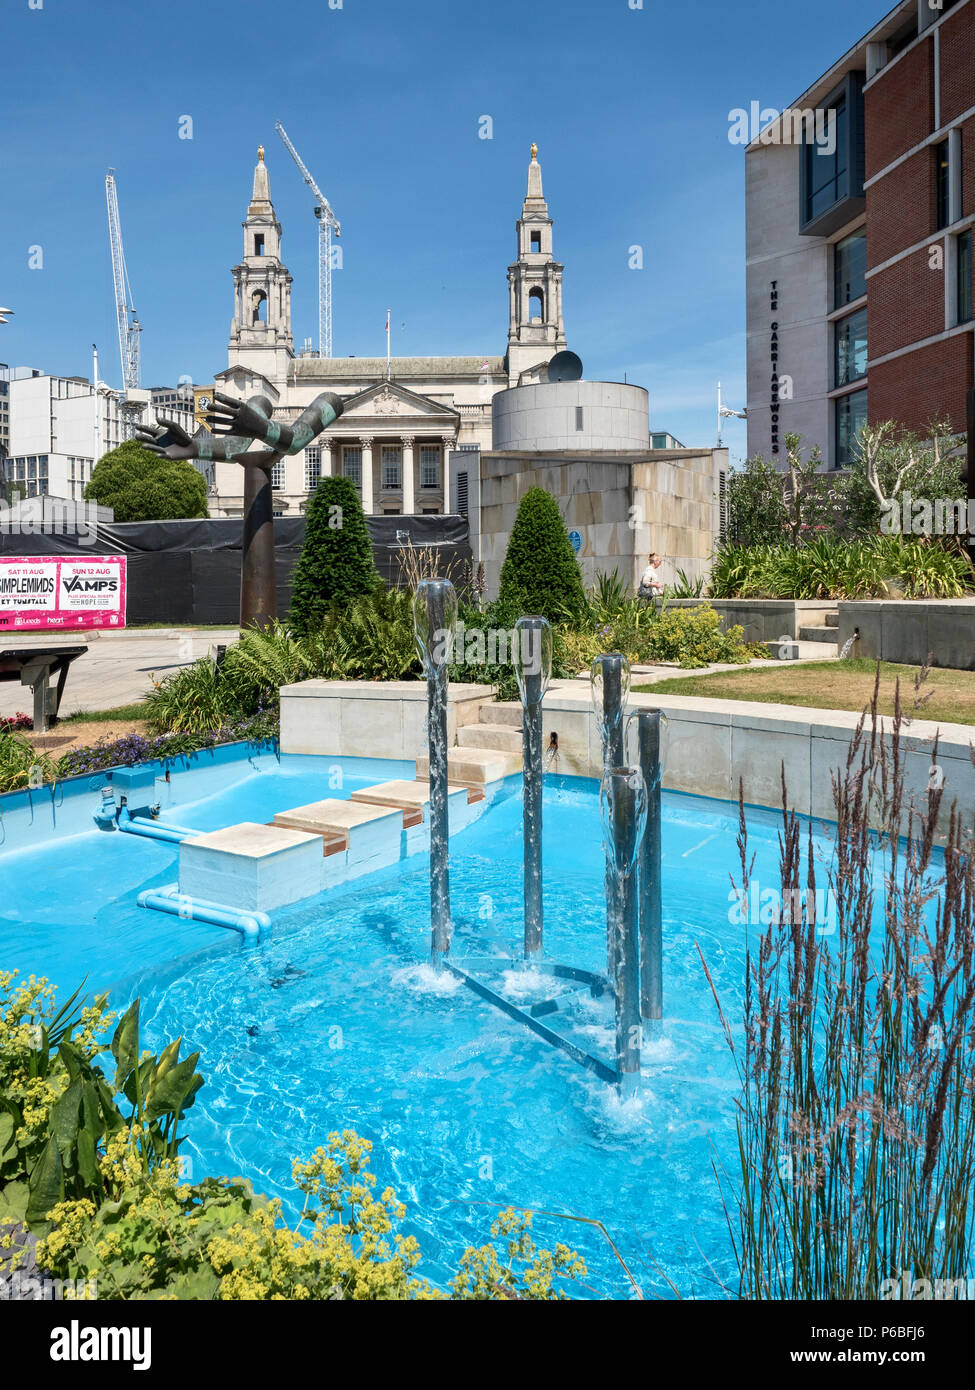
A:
{"x": 846, "y": 685}
{"x": 121, "y": 714}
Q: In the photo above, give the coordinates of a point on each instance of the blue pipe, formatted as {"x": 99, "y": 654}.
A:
{"x": 251, "y": 925}
{"x": 153, "y": 830}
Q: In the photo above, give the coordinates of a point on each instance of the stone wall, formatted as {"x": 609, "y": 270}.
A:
{"x": 621, "y": 505}
{"x": 712, "y": 744}
{"x": 911, "y": 631}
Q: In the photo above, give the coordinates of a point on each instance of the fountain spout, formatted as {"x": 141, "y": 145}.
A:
{"x": 434, "y": 622}
{"x": 533, "y": 668}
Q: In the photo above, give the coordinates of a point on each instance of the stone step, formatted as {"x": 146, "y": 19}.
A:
{"x": 507, "y": 713}
{"x": 833, "y": 619}
{"x": 405, "y": 796}
{"x": 500, "y": 737}
{"x": 817, "y": 634}
{"x": 342, "y": 821}
{"x": 474, "y": 767}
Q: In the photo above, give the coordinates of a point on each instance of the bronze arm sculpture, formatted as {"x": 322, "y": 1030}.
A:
{"x": 236, "y": 425}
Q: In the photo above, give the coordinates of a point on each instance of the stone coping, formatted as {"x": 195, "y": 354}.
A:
{"x": 248, "y": 840}
{"x": 758, "y": 714}
{"x": 382, "y": 690}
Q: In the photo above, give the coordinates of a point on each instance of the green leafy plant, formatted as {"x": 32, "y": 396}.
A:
{"x": 874, "y": 567}
{"x": 540, "y": 574}
{"x": 57, "y": 1107}
{"x": 336, "y": 563}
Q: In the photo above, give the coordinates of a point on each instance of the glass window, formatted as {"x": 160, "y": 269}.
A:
{"x": 851, "y": 348}
{"x": 942, "y": 184}
{"x": 964, "y": 304}
{"x": 392, "y": 465}
{"x": 849, "y": 269}
{"x": 313, "y": 467}
{"x": 429, "y": 465}
{"x": 851, "y": 416}
{"x": 277, "y": 474}
{"x": 826, "y": 171}
{"x": 352, "y": 464}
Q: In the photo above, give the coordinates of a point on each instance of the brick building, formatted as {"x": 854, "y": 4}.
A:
{"x": 860, "y": 209}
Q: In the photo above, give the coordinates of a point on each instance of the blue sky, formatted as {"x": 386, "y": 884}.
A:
{"x": 382, "y": 99}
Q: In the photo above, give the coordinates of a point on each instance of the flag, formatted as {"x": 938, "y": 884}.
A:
{"x": 387, "y": 323}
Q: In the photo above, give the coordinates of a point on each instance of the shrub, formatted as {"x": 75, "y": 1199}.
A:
{"x": 878, "y": 567}
{"x": 540, "y": 573}
{"x": 141, "y": 486}
{"x": 692, "y": 637}
{"x": 336, "y": 562}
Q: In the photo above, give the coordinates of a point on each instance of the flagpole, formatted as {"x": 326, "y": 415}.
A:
{"x": 719, "y": 414}
{"x": 388, "y": 317}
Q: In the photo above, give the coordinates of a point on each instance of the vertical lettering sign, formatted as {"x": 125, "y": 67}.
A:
{"x": 61, "y": 592}
{"x": 774, "y": 306}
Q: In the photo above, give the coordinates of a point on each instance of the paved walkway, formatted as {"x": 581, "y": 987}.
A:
{"x": 117, "y": 668}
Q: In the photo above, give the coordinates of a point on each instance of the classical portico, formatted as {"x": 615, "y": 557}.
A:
{"x": 392, "y": 443}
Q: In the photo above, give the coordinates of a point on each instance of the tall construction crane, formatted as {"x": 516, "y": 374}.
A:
{"x": 327, "y": 224}
{"x": 129, "y": 327}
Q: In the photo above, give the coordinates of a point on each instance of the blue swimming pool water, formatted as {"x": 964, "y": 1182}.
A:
{"x": 336, "y": 1021}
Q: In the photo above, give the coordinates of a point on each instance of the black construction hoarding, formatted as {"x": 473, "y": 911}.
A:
{"x": 189, "y": 571}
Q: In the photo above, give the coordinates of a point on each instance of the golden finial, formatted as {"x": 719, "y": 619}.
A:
{"x": 260, "y": 153}
{"x": 534, "y": 150}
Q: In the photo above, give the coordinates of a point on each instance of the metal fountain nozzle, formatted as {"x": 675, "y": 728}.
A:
{"x": 533, "y": 658}
{"x": 623, "y": 812}
{"x": 435, "y": 621}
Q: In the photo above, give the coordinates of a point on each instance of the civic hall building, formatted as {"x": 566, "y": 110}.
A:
{"x": 860, "y": 208}
{"x": 399, "y": 427}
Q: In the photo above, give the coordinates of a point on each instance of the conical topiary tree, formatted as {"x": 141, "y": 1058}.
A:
{"x": 336, "y": 561}
{"x": 540, "y": 573}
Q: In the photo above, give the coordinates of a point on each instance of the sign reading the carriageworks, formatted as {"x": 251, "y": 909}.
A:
{"x": 61, "y": 592}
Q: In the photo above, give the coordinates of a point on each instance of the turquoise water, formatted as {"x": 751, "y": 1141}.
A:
{"x": 337, "y": 1021}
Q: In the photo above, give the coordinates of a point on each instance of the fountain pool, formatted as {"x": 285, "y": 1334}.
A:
{"x": 337, "y": 1020}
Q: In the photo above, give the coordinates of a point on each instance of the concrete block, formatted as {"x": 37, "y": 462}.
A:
{"x": 259, "y": 867}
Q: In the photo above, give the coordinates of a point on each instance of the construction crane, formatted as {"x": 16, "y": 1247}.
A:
{"x": 327, "y": 224}
{"x": 129, "y": 327}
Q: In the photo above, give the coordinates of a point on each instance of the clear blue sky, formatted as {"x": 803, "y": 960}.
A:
{"x": 382, "y": 99}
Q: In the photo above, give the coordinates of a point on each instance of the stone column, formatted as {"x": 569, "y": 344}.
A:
{"x": 409, "y": 479}
{"x": 368, "y": 506}
{"x": 328, "y": 466}
{"x": 447, "y": 442}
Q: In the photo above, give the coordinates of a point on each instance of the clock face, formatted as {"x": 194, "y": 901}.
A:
{"x": 203, "y": 403}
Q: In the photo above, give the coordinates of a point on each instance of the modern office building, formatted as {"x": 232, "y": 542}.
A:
{"x": 60, "y": 427}
{"x": 860, "y": 209}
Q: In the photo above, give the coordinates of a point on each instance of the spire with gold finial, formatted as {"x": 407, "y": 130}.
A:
{"x": 261, "y": 196}
{"x": 534, "y": 150}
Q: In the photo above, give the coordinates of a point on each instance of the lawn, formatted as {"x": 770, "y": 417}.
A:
{"x": 946, "y": 696}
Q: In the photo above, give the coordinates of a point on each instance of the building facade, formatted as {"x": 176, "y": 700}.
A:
{"x": 400, "y": 421}
{"x": 60, "y": 426}
{"x": 860, "y": 210}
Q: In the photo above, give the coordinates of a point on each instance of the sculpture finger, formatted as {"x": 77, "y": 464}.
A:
{"x": 232, "y": 401}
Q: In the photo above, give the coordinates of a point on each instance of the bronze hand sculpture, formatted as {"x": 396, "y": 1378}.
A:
{"x": 236, "y": 425}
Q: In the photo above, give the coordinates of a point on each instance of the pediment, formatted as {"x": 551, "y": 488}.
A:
{"x": 389, "y": 398}
{"x": 247, "y": 381}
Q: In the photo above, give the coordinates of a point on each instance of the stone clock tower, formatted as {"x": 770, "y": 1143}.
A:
{"x": 536, "y": 331}
{"x": 260, "y": 336}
